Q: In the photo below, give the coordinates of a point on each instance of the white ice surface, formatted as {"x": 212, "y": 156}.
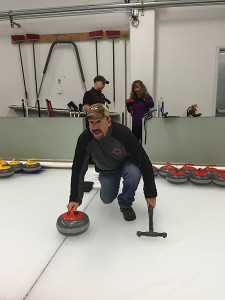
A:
{"x": 109, "y": 261}
{"x": 30, "y": 205}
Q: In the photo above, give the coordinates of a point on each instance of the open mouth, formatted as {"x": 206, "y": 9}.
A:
{"x": 96, "y": 132}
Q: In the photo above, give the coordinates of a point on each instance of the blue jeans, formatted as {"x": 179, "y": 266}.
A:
{"x": 110, "y": 183}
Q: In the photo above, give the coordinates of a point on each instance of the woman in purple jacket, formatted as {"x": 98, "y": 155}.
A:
{"x": 138, "y": 105}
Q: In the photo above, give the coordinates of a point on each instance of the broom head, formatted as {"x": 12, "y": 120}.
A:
{"x": 96, "y": 34}
{"x": 18, "y": 38}
{"x": 113, "y": 33}
{"x": 32, "y": 37}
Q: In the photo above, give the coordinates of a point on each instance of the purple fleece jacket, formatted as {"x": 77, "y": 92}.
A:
{"x": 140, "y": 108}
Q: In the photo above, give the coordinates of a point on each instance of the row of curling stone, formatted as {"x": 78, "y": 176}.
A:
{"x": 189, "y": 172}
{"x": 8, "y": 169}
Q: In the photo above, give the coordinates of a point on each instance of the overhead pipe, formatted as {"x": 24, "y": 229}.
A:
{"x": 102, "y": 8}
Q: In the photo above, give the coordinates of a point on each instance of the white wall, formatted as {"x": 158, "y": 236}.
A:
{"x": 142, "y": 52}
{"x": 185, "y": 57}
{"x": 63, "y": 63}
{"x": 187, "y": 39}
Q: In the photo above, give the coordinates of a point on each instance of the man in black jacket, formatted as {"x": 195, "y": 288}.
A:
{"x": 117, "y": 154}
{"x": 95, "y": 95}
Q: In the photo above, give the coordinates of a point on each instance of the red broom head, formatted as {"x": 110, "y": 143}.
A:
{"x": 96, "y": 34}
{"x": 113, "y": 33}
{"x": 18, "y": 38}
{"x": 32, "y": 37}
{"x": 130, "y": 101}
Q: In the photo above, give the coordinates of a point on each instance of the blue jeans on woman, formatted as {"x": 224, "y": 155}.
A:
{"x": 110, "y": 183}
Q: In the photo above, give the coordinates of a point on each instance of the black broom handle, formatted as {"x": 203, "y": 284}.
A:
{"x": 150, "y": 213}
{"x": 35, "y": 76}
{"x": 96, "y": 49}
{"x": 21, "y": 61}
{"x": 113, "y": 73}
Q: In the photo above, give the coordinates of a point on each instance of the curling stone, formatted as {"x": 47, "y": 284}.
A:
{"x": 72, "y": 223}
{"x": 209, "y": 169}
{"x": 165, "y": 169}
{"x": 188, "y": 168}
{"x": 5, "y": 170}
{"x": 200, "y": 177}
{"x": 219, "y": 178}
{"x": 16, "y": 165}
{"x": 155, "y": 171}
{"x": 2, "y": 161}
{"x": 31, "y": 166}
{"x": 177, "y": 176}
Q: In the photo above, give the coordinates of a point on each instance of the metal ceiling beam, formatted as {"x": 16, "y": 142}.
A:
{"x": 101, "y": 8}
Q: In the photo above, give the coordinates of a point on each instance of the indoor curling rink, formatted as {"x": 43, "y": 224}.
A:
{"x": 109, "y": 261}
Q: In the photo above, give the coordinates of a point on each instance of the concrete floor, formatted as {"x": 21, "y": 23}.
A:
{"x": 109, "y": 261}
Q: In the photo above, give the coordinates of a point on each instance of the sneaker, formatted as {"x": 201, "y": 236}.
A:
{"x": 128, "y": 213}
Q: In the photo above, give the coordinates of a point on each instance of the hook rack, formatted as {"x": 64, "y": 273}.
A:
{"x": 75, "y": 37}
{"x": 12, "y": 22}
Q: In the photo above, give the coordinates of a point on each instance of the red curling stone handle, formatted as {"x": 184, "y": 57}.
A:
{"x": 71, "y": 215}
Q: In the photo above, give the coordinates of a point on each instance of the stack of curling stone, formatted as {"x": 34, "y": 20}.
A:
{"x": 72, "y": 223}
{"x": 177, "y": 176}
{"x": 209, "y": 169}
{"x": 16, "y": 165}
{"x": 165, "y": 169}
{"x": 31, "y": 166}
{"x": 219, "y": 178}
{"x": 5, "y": 170}
{"x": 188, "y": 168}
{"x": 200, "y": 177}
{"x": 155, "y": 171}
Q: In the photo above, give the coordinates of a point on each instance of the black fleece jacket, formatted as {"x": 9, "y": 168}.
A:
{"x": 109, "y": 154}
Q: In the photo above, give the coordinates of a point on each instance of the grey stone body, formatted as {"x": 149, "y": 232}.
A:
{"x": 17, "y": 167}
{"x": 31, "y": 168}
{"x": 163, "y": 172}
{"x": 187, "y": 171}
{"x": 211, "y": 173}
{"x": 6, "y": 173}
{"x": 177, "y": 178}
{"x": 72, "y": 228}
{"x": 197, "y": 179}
{"x": 155, "y": 171}
{"x": 218, "y": 180}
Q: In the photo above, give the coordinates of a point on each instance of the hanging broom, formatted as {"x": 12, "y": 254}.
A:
{"x": 19, "y": 39}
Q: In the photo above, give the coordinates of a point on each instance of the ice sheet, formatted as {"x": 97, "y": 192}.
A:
{"x": 109, "y": 261}
{"x": 30, "y": 205}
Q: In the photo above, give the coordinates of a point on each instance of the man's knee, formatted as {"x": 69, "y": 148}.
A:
{"x": 106, "y": 199}
{"x": 132, "y": 172}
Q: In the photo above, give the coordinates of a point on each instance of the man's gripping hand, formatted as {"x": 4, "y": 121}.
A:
{"x": 73, "y": 205}
{"x": 151, "y": 201}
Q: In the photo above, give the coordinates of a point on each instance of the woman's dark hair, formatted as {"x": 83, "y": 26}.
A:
{"x": 144, "y": 93}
